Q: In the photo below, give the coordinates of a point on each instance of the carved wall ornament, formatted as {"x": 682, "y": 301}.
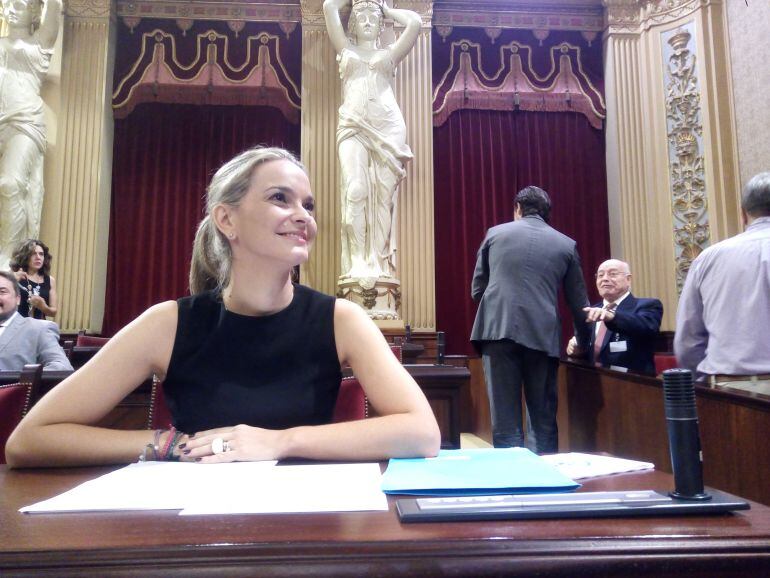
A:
{"x": 689, "y": 201}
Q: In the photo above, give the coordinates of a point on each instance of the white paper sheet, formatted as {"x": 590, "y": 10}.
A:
{"x": 580, "y": 466}
{"x": 305, "y": 488}
{"x": 150, "y": 486}
{"x": 241, "y": 487}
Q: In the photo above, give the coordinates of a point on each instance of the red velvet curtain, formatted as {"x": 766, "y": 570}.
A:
{"x": 164, "y": 156}
{"x": 481, "y": 159}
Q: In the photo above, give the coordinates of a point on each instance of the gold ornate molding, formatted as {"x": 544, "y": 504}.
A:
{"x": 545, "y": 15}
{"x": 685, "y": 132}
{"x": 312, "y": 13}
{"x": 210, "y": 10}
{"x": 88, "y": 8}
{"x": 636, "y": 15}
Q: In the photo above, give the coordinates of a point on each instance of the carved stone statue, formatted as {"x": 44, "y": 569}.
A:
{"x": 371, "y": 142}
{"x": 25, "y": 54}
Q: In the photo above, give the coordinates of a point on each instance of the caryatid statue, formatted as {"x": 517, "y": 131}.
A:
{"x": 25, "y": 54}
{"x": 371, "y": 140}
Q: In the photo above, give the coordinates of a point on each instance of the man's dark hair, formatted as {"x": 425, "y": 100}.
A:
{"x": 533, "y": 201}
{"x": 755, "y": 199}
{"x": 12, "y": 278}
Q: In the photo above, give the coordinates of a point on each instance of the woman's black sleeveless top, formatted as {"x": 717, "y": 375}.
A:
{"x": 277, "y": 371}
{"x": 28, "y": 286}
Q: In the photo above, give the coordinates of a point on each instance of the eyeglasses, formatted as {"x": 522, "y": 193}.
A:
{"x": 613, "y": 274}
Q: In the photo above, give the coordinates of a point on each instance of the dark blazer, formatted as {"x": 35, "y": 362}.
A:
{"x": 28, "y": 340}
{"x": 636, "y": 322}
{"x": 520, "y": 268}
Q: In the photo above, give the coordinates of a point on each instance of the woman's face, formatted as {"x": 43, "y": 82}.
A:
{"x": 20, "y": 13}
{"x": 367, "y": 24}
{"x": 36, "y": 259}
{"x": 275, "y": 219}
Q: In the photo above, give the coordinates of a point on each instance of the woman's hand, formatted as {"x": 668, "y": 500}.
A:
{"x": 241, "y": 443}
{"x": 21, "y": 275}
{"x": 37, "y": 302}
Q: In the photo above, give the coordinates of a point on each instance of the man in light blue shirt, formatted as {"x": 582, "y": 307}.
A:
{"x": 724, "y": 310}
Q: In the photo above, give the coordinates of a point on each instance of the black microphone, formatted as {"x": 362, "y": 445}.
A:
{"x": 440, "y": 347}
{"x": 408, "y": 333}
{"x": 683, "y": 435}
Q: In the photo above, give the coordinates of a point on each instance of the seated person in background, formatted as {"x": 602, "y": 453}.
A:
{"x": 625, "y": 326}
{"x": 250, "y": 361}
{"x": 31, "y": 263}
{"x": 724, "y": 310}
{"x": 22, "y": 339}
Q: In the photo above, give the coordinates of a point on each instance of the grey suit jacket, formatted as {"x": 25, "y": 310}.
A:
{"x": 28, "y": 340}
{"x": 520, "y": 268}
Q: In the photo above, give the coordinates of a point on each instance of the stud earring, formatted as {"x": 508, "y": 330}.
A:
{"x": 231, "y": 236}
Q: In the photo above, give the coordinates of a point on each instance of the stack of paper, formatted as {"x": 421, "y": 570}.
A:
{"x": 579, "y": 466}
{"x": 474, "y": 472}
{"x": 232, "y": 488}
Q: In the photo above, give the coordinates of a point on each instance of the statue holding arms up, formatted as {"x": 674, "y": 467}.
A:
{"x": 371, "y": 133}
{"x": 25, "y": 55}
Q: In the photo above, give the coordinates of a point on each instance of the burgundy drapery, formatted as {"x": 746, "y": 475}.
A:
{"x": 164, "y": 156}
{"x": 481, "y": 159}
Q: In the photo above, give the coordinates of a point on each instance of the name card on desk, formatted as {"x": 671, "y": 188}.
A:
{"x": 475, "y": 472}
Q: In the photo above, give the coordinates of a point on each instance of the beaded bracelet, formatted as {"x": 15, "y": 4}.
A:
{"x": 169, "y": 440}
{"x": 169, "y": 455}
{"x": 151, "y": 447}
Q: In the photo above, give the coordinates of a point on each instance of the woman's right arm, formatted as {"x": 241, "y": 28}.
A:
{"x": 58, "y": 430}
{"x": 334, "y": 24}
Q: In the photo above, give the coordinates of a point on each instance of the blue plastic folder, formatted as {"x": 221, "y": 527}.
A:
{"x": 475, "y": 472}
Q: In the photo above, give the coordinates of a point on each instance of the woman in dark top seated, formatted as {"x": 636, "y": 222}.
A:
{"x": 31, "y": 263}
{"x": 251, "y": 361}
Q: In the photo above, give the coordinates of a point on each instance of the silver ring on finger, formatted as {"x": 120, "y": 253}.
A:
{"x": 218, "y": 446}
{"x": 226, "y": 447}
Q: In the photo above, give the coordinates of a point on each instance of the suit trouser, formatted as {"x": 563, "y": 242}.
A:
{"x": 507, "y": 367}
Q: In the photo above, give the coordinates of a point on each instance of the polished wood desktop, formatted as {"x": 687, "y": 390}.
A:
{"x": 368, "y": 543}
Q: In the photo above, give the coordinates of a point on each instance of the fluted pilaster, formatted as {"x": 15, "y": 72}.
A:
{"x": 654, "y": 148}
{"x": 320, "y": 101}
{"x": 416, "y": 257}
{"x": 76, "y": 217}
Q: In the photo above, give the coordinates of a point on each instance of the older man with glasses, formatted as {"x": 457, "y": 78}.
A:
{"x": 625, "y": 326}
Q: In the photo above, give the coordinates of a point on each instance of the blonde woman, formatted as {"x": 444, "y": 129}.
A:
{"x": 251, "y": 361}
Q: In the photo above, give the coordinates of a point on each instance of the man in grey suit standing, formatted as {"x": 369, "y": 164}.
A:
{"x": 520, "y": 267}
{"x": 23, "y": 339}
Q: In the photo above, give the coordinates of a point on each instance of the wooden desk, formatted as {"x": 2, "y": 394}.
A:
{"x": 601, "y": 410}
{"x": 368, "y": 543}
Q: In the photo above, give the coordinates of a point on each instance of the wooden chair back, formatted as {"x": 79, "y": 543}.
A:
{"x": 15, "y": 401}
{"x": 84, "y": 340}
